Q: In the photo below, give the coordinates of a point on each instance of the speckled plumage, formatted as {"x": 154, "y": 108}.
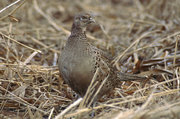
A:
{"x": 79, "y": 60}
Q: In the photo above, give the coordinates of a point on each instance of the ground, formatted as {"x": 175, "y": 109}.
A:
{"x": 143, "y": 37}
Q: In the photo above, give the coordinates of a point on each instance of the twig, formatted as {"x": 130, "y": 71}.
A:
{"x": 29, "y": 58}
{"x": 50, "y": 115}
{"x": 13, "y": 11}
{"x": 68, "y": 108}
{"x": 20, "y": 43}
{"x": 155, "y": 95}
{"x": 85, "y": 99}
{"x": 9, "y": 5}
{"x": 116, "y": 60}
{"x": 21, "y": 101}
{"x": 43, "y": 45}
{"x": 57, "y": 27}
{"x": 176, "y": 48}
{"x": 100, "y": 87}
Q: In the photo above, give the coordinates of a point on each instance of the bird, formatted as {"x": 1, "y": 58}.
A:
{"x": 79, "y": 61}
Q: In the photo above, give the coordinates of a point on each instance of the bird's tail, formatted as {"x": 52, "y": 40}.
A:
{"x": 129, "y": 77}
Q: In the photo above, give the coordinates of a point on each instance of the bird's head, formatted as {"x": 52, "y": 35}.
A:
{"x": 83, "y": 19}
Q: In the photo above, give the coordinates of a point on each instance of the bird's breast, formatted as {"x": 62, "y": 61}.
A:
{"x": 76, "y": 70}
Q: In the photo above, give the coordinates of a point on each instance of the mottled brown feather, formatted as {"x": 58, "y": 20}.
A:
{"x": 79, "y": 60}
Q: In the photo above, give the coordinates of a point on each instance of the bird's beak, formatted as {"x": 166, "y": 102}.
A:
{"x": 92, "y": 20}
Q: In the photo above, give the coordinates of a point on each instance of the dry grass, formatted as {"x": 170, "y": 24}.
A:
{"x": 143, "y": 36}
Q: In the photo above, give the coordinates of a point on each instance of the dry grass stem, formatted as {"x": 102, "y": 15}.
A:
{"x": 142, "y": 36}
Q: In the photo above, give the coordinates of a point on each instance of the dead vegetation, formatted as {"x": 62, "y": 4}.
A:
{"x": 143, "y": 36}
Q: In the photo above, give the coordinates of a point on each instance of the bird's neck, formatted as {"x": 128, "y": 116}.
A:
{"x": 77, "y": 30}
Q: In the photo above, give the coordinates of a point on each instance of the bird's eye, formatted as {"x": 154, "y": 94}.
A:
{"x": 83, "y": 18}
{"x": 80, "y": 18}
